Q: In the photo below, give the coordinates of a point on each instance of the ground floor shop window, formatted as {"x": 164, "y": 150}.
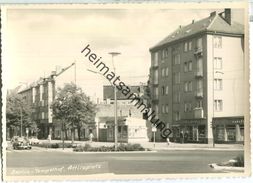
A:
{"x": 231, "y": 135}
{"x": 202, "y": 131}
{"x": 110, "y": 133}
{"x": 242, "y": 132}
{"x": 220, "y": 133}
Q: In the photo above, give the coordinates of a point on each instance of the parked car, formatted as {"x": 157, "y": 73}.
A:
{"x": 33, "y": 140}
{"x": 21, "y": 143}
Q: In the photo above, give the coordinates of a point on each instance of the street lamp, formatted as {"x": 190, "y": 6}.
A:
{"x": 213, "y": 125}
{"x": 113, "y": 54}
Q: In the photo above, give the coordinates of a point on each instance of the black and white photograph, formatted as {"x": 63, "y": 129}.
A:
{"x": 125, "y": 91}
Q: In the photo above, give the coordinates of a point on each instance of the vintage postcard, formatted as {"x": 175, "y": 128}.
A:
{"x": 125, "y": 91}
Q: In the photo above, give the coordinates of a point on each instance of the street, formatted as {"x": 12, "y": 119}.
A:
{"x": 160, "y": 162}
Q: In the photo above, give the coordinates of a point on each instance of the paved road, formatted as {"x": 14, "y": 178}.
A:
{"x": 122, "y": 163}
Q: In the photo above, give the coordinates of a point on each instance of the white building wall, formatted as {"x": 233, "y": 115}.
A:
{"x": 232, "y": 73}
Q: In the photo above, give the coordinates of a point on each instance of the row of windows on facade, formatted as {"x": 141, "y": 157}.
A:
{"x": 218, "y": 107}
{"x": 218, "y": 85}
{"x": 188, "y": 67}
{"x": 217, "y": 43}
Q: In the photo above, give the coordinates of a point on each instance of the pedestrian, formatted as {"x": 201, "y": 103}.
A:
{"x": 181, "y": 137}
{"x": 186, "y": 137}
{"x": 168, "y": 141}
{"x": 91, "y": 136}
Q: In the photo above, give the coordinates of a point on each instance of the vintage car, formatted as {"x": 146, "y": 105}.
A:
{"x": 21, "y": 143}
{"x": 33, "y": 140}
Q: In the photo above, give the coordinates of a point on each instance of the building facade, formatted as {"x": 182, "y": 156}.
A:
{"x": 40, "y": 95}
{"x": 197, "y": 80}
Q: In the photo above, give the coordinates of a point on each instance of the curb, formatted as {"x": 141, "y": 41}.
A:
{"x": 199, "y": 149}
{"x": 227, "y": 168}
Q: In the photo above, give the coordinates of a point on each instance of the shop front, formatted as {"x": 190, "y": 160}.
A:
{"x": 229, "y": 130}
{"x": 189, "y": 131}
{"x": 131, "y": 130}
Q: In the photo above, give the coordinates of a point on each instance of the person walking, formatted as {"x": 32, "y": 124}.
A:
{"x": 91, "y": 137}
{"x": 181, "y": 137}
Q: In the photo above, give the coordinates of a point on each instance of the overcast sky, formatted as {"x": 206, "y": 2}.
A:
{"x": 38, "y": 40}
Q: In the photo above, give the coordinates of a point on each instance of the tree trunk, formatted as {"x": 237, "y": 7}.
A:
{"x": 66, "y": 134}
{"x": 72, "y": 135}
{"x": 79, "y": 133}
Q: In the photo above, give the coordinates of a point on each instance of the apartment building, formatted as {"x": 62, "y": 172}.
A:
{"x": 197, "y": 80}
{"x": 40, "y": 94}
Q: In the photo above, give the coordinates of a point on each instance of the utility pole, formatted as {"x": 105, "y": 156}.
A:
{"x": 115, "y": 105}
{"x": 21, "y": 121}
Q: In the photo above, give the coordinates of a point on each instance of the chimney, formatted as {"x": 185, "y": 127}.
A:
{"x": 228, "y": 15}
{"x": 192, "y": 21}
{"x": 213, "y": 13}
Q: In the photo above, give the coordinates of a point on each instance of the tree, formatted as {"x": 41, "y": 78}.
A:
{"x": 73, "y": 107}
{"x": 18, "y": 109}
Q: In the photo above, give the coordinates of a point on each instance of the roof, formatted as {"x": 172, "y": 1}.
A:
{"x": 213, "y": 23}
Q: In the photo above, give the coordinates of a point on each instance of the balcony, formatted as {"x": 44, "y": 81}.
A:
{"x": 199, "y": 73}
{"x": 199, "y": 93}
{"x": 198, "y": 113}
{"x": 198, "y": 51}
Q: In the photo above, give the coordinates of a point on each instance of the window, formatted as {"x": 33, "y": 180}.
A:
{"x": 155, "y": 59}
{"x": 218, "y": 105}
{"x": 217, "y": 63}
{"x": 187, "y": 107}
{"x": 199, "y": 104}
{"x": 185, "y": 46}
{"x": 167, "y": 90}
{"x": 190, "y": 46}
{"x": 42, "y": 115}
{"x": 165, "y": 53}
{"x": 163, "y": 90}
{"x": 156, "y": 92}
{"x": 185, "y": 67}
{"x": 217, "y": 41}
{"x": 190, "y": 66}
{"x": 163, "y": 109}
{"x": 176, "y": 59}
{"x": 177, "y": 78}
{"x": 199, "y": 43}
{"x": 156, "y": 76}
{"x": 199, "y": 85}
{"x": 218, "y": 84}
{"x": 188, "y": 86}
{"x": 167, "y": 108}
{"x": 156, "y": 109}
{"x": 167, "y": 71}
{"x": 176, "y": 116}
{"x": 199, "y": 64}
{"x": 163, "y": 72}
{"x": 176, "y": 97}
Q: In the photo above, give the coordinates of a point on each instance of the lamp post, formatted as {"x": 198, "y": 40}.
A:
{"x": 21, "y": 121}
{"x": 213, "y": 125}
{"x": 113, "y": 54}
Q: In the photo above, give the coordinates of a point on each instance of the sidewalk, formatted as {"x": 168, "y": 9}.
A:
{"x": 164, "y": 145}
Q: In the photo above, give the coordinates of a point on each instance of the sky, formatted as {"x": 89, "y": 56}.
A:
{"x": 39, "y": 40}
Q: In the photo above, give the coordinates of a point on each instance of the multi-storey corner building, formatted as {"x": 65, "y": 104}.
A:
{"x": 197, "y": 80}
